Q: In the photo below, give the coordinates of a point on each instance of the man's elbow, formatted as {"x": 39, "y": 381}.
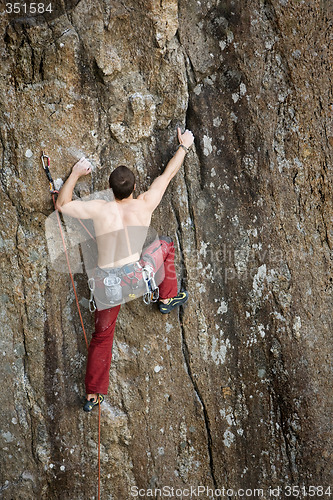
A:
{"x": 60, "y": 206}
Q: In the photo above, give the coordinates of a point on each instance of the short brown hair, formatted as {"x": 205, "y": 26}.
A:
{"x": 122, "y": 182}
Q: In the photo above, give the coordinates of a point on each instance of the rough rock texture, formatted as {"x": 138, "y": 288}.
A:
{"x": 236, "y": 390}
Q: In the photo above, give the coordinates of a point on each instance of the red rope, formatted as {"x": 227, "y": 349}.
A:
{"x": 80, "y": 221}
{"x": 86, "y": 340}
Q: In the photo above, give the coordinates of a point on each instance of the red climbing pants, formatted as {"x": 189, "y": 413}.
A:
{"x": 100, "y": 348}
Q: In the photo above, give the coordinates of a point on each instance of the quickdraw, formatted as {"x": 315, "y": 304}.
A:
{"x": 46, "y": 164}
{"x": 148, "y": 276}
{"x": 152, "y": 290}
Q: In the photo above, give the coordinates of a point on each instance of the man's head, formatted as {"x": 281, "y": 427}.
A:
{"x": 122, "y": 182}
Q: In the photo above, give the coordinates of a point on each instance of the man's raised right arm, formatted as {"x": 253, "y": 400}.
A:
{"x": 154, "y": 195}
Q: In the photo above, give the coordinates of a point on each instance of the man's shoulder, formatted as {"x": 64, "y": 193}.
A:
{"x": 143, "y": 198}
{"x": 141, "y": 202}
{"x": 92, "y": 203}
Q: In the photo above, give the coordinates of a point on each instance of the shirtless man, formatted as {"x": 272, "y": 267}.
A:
{"x": 108, "y": 218}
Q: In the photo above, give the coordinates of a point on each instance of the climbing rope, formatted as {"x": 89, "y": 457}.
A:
{"x": 46, "y": 165}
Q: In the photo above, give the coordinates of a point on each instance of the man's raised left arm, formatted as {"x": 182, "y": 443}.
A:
{"x": 78, "y": 209}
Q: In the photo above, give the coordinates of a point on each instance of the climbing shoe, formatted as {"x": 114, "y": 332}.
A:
{"x": 180, "y": 299}
{"x": 89, "y": 405}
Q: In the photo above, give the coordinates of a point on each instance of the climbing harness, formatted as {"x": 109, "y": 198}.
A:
{"x": 46, "y": 165}
{"x": 114, "y": 286}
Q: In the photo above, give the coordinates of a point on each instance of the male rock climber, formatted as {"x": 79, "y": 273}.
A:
{"x": 108, "y": 217}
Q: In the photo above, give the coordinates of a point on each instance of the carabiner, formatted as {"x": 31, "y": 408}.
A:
{"x": 92, "y": 303}
{"x": 91, "y": 284}
{"x": 155, "y": 294}
{"x": 46, "y": 164}
{"x": 147, "y": 298}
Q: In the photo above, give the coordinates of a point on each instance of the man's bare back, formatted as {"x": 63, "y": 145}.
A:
{"x": 121, "y": 229}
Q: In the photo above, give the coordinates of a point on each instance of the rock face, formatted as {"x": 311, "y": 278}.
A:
{"x": 235, "y": 391}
